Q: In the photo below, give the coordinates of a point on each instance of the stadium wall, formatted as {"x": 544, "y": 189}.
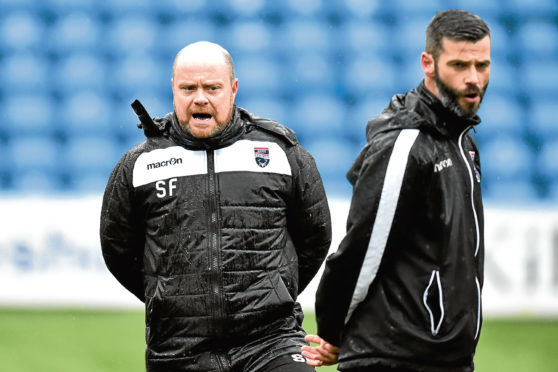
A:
{"x": 50, "y": 256}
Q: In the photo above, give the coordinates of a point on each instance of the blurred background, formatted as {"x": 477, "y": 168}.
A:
{"x": 69, "y": 70}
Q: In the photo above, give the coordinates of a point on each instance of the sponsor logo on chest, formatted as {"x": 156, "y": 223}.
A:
{"x": 438, "y": 167}
{"x": 164, "y": 163}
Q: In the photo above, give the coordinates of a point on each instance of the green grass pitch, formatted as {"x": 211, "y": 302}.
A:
{"x": 113, "y": 341}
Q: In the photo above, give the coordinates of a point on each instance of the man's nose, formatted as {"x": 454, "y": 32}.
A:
{"x": 472, "y": 77}
{"x": 200, "y": 98}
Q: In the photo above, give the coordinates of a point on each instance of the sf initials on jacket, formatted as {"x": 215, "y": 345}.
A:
{"x": 217, "y": 236}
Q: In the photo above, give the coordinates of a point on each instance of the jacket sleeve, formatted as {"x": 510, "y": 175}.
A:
{"x": 122, "y": 233}
{"x": 309, "y": 221}
{"x": 341, "y": 285}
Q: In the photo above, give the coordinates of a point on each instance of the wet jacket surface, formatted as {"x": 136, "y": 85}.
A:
{"x": 404, "y": 287}
{"x": 217, "y": 237}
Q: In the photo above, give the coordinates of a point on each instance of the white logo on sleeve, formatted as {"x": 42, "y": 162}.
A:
{"x": 298, "y": 358}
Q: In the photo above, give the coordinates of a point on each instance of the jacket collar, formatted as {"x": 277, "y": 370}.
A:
{"x": 437, "y": 116}
{"x": 234, "y": 129}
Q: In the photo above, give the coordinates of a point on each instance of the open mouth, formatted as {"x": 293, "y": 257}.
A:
{"x": 201, "y": 116}
{"x": 471, "y": 95}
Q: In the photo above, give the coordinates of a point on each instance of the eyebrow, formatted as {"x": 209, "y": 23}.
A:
{"x": 486, "y": 61}
{"x": 205, "y": 83}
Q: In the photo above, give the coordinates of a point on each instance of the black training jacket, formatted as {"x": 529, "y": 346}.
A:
{"x": 218, "y": 237}
{"x": 404, "y": 287}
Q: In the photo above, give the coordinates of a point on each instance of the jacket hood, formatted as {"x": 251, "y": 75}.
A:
{"x": 416, "y": 109}
{"x": 421, "y": 109}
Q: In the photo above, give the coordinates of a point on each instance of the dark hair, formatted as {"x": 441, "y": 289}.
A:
{"x": 455, "y": 25}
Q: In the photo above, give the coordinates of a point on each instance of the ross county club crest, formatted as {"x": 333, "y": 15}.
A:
{"x": 477, "y": 174}
{"x": 261, "y": 155}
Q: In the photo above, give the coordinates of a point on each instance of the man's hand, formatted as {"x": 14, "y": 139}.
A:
{"x": 325, "y": 354}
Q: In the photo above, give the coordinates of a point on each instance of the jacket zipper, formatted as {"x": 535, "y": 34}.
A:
{"x": 477, "y": 242}
{"x": 463, "y": 155}
{"x": 214, "y": 248}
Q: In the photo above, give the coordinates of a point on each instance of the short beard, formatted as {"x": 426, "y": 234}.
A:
{"x": 450, "y": 97}
{"x": 215, "y": 132}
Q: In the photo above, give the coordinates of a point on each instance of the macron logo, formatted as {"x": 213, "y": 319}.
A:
{"x": 442, "y": 165}
{"x": 164, "y": 163}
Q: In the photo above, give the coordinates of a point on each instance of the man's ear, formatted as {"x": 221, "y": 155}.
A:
{"x": 427, "y": 63}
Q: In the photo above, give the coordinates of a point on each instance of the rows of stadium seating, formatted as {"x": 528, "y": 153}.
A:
{"x": 70, "y": 68}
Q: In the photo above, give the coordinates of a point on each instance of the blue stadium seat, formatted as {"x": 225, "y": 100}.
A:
{"x": 5, "y": 165}
{"x": 506, "y": 158}
{"x": 503, "y": 75}
{"x": 78, "y": 71}
{"x": 133, "y": 32}
{"x": 417, "y": 8}
{"x": 24, "y": 72}
{"x": 92, "y": 182}
{"x": 31, "y": 113}
{"x": 366, "y": 9}
{"x": 37, "y": 182}
{"x": 547, "y": 160}
{"x": 409, "y": 37}
{"x": 409, "y": 76}
{"x": 319, "y": 116}
{"x": 482, "y": 8}
{"x": 501, "y": 38}
{"x": 179, "y": 9}
{"x": 503, "y": 191}
{"x": 73, "y": 32}
{"x": 300, "y": 34}
{"x": 369, "y": 75}
{"x": 117, "y": 8}
{"x": 26, "y": 5}
{"x": 243, "y": 9}
{"x": 310, "y": 73}
{"x": 249, "y": 37}
{"x": 333, "y": 158}
{"x": 311, "y": 9}
{"x": 33, "y": 153}
{"x": 540, "y": 78}
{"x": 501, "y": 114}
{"x": 542, "y": 117}
{"x": 365, "y": 36}
{"x": 537, "y": 38}
{"x": 61, "y": 8}
{"x": 140, "y": 72}
{"x": 271, "y": 108}
{"x": 21, "y": 30}
{"x": 522, "y": 8}
{"x": 87, "y": 154}
{"x": 258, "y": 75}
{"x": 175, "y": 35}
{"x": 553, "y": 192}
{"x": 86, "y": 112}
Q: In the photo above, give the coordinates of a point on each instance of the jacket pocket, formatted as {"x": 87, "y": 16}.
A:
{"x": 152, "y": 306}
{"x": 279, "y": 288}
{"x": 432, "y": 299}
{"x": 479, "y": 309}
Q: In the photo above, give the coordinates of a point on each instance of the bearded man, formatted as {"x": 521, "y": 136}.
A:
{"x": 403, "y": 291}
